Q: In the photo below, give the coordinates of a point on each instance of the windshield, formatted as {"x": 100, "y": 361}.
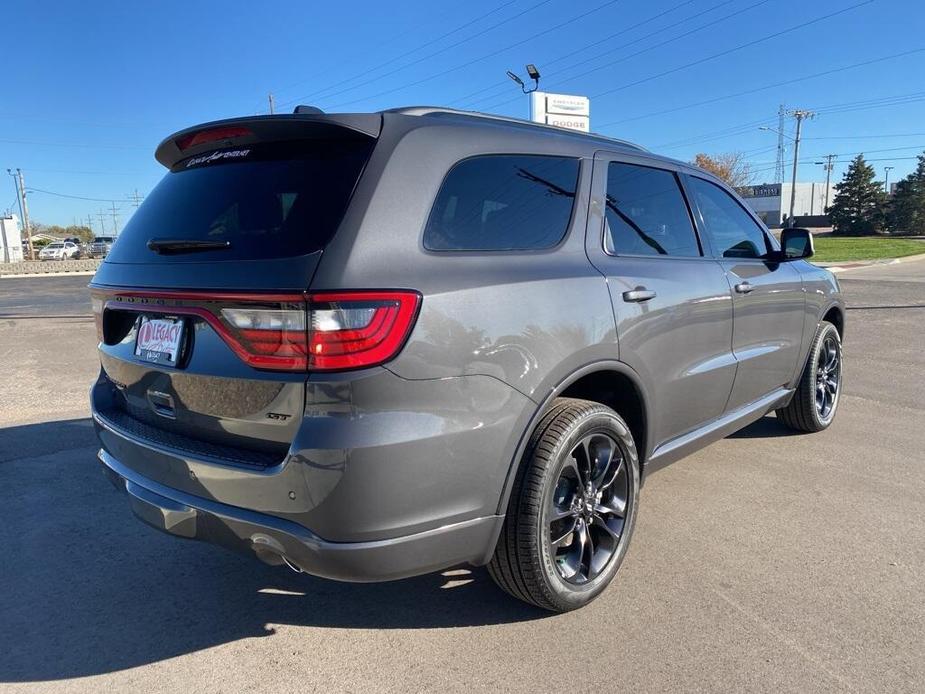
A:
{"x": 269, "y": 201}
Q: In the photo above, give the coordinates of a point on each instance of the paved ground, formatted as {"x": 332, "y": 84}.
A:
{"x": 767, "y": 562}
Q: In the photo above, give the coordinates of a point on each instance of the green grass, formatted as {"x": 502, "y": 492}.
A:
{"x": 836, "y": 249}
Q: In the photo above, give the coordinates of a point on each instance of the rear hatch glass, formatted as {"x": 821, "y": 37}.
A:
{"x": 266, "y": 201}
{"x": 276, "y": 205}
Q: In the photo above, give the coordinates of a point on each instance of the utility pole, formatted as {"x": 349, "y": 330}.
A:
{"x": 23, "y": 208}
{"x": 800, "y": 115}
{"x": 270, "y": 99}
{"x": 779, "y": 164}
{"x": 102, "y": 215}
{"x": 886, "y": 182}
{"x": 90, "y": 222}
{"x": 136, "y": 198}
{"x": 828, "y": 165}
{"x": 115, "y": 219}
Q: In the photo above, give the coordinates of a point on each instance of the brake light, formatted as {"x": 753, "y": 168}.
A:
{"x": 286, "y": 332}
{"x": 358, "y": 329}
{"x": 211, "y": 135}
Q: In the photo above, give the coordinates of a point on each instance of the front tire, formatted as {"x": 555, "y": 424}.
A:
{"x": 815, "y": 401}
{"x": 572, "y": 510}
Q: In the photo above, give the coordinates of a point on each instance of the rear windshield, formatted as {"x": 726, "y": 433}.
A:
{"x": 269, "y": 201}
{"x": 103, "y": 239}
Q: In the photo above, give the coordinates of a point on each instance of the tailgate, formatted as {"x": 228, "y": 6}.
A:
{"x": 200, "y": 304}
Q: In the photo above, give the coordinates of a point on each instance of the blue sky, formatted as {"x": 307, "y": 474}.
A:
{"x": 91, "y": 88}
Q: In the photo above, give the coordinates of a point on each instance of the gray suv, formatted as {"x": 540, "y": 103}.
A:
{"x": 370, "y": 346}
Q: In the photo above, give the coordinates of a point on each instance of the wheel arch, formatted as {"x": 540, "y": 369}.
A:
{"x": 835, "y": 315}
{"x": 608, "y": 382}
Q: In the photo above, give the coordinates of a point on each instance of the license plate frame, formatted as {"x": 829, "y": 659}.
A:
{"x": 159, "y": 339}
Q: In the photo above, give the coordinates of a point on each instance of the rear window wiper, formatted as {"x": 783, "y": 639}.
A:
{"x": 168, "y": 246}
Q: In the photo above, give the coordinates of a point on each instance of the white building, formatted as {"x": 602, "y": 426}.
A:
{"x": 10, "y": 240}
{"x": 772, "y": 200}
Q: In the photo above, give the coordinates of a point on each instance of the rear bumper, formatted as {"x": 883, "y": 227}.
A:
{"x": 277, "y": 541}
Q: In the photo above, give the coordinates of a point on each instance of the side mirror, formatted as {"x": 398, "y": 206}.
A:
{"x": 796, "y": 244}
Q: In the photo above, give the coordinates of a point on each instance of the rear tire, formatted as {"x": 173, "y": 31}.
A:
{"x": 815, "y": 402}
{"x": 572, "y": 509}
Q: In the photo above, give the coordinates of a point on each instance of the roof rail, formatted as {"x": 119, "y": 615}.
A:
{"x": 439, "y": 110}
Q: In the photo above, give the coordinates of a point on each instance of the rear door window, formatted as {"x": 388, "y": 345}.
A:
{"x": 646, "y": 213}
{"x": 503, "y": 203}
{"x": 732, "y": 231}
{"x": 275, "y": 200}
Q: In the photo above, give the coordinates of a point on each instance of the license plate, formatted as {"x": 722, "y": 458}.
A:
{"x": 159, "y": 340}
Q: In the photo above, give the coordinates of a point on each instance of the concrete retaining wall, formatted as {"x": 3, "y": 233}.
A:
{"x": 37, "y": 267}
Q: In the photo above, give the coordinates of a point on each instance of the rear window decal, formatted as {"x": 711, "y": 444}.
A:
{"x": 216, "y": 156}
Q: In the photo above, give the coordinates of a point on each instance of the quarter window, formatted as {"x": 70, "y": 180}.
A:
{"x": 646, "y": 213}
{"x": 503, "y": 203}
{"x": 732, "y": 232}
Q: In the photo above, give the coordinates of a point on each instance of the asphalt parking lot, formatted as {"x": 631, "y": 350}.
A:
{"x": 767, "y": 562}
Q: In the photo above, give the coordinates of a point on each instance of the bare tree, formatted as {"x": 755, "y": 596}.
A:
{"x": 731, "y": 167}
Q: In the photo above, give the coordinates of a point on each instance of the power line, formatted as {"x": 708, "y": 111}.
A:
{"x": 402, "y": 55}
{"x": 505, "y": 85}
{"x": 428, "y": 57}
{"x": 760, "y": 89}
{"x": 720, "y": 54}
{"x": 70, "y": 144}
{"x": 73, "y": 197}
{"x": 807, "y": 161}
{"x": 505, "y": 49}
{"x": 862, "y": 137}
{"x": 647, "y": 49}
{"x": 832, "y": 108}
{"x": 854, "y": 154}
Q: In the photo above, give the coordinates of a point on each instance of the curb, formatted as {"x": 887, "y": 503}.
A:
{"x": 854, "y": 265}
{"x": 76, "y": 273}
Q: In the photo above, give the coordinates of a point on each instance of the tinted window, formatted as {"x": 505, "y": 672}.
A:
{"x": 276, "y": 200}
{"x": 646, "y": 213}
{"x": 733, "y": 233}
{"x": 503, "y": 202}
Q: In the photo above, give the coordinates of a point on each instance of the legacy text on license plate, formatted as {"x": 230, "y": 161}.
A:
{"x": 159, "y": 340}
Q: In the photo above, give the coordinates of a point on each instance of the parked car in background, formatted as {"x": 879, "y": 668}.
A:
{"x": 369, "y": 346}
{"x": 59, "y": 250}
{"x": 100, "y": 246}
{"x": 83, "y": 248}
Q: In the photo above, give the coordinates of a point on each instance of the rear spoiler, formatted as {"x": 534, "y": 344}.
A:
{"x": 235, "y": 132}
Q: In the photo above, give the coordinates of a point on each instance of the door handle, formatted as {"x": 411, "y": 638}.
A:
{"x": 744, "y": 287}
{"x": 638, "y": 295}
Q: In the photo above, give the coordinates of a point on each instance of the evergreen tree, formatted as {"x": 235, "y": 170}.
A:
{"x": 859, "y": 204}
{"x": 907, "y": 208}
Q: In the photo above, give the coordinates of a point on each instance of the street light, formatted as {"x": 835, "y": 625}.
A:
{"x": 534, "y": 75}
{"x": 886, "y": 181}
{"x": 776, "y": 132}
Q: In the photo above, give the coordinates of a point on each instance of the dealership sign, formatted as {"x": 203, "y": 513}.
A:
{"x": 561, "y": 110}
{"x": 766, "y": 190}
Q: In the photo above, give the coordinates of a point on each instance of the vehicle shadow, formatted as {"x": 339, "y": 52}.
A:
{"x": 87, "y": 589}
{"x": 765, "y": 428}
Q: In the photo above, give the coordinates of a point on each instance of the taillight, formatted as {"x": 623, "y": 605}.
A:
{"x": 358, "y": 329}
{"x": 286, "y": 332}
{"x": 272, "y": 338}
